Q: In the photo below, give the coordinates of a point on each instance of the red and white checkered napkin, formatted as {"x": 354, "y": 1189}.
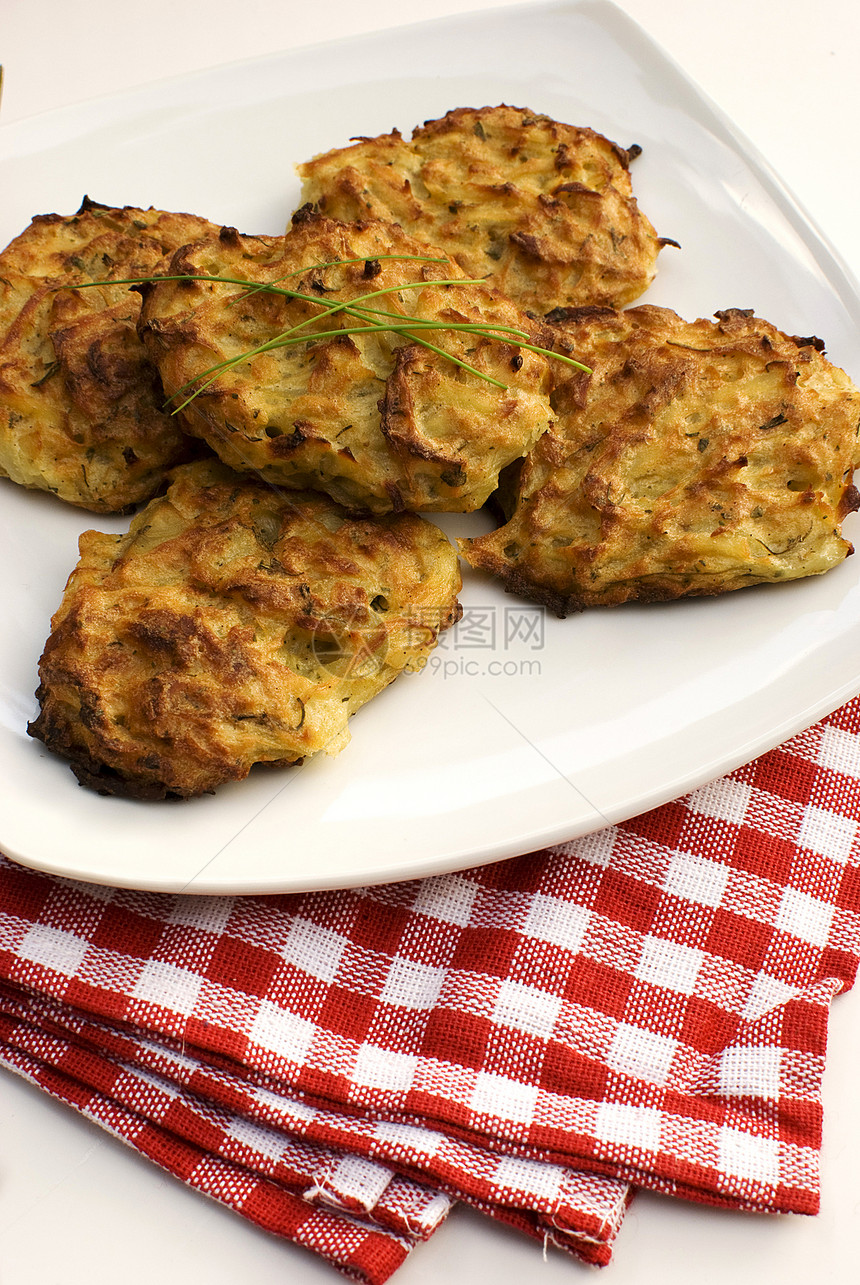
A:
{"x": 645, "y": 1007}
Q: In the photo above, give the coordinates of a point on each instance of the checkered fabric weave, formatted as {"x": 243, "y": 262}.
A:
{"x": 643, "y": 1007}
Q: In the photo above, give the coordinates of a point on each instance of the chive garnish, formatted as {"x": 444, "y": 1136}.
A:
{"x": 369, "y": 320}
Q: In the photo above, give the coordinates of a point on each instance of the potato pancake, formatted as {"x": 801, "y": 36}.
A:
{"x": 394, "y": 416}
{"x": 542, "y": 209}
{"x": 100, "y": 242}
{"x": 233, "y": 624}
{"x": 81, "y": 406}
{"x": 696, "y": 458}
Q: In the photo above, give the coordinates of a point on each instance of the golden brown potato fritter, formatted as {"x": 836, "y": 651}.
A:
{"x": 81, "y": 411}
{"x": 545, "y": 210}
{"x": 377, "y": 420}
{"x": 697, "y": 458}
{"x": 233, "y": 624}
{"x": 100, "y": 242}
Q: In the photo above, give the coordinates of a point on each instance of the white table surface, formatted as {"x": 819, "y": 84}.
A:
{"x": 77, "y": 1208}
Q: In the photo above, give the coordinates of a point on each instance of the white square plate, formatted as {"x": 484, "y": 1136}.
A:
{"x": 524, "y": 730}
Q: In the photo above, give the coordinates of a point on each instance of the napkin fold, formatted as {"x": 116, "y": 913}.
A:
{"x": 643, "y": 1007}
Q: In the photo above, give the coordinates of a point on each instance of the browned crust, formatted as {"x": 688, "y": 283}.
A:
{"x": 544, "y": 209}
{"x": 81, "y": 405}
{"x": 233, "y": 626}
{"x": 697, "y": 458}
